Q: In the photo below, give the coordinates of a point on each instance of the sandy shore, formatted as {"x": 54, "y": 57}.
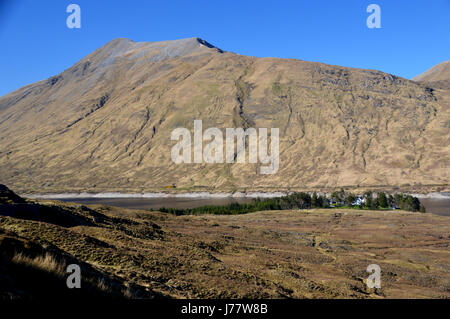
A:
{"x": 157, "y": 195}
{"x": 433, "y": 195}
{"x": 191, "y": 195}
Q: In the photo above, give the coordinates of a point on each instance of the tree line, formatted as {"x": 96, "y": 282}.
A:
{"x": 300, "y": 200}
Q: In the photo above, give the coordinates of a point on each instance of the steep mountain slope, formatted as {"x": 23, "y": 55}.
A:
{"x": 438, "y": 76}
{"x": 105, "y": 123}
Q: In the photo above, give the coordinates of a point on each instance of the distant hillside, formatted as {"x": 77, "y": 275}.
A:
{"x": 105, "y": 123}
{"x": 438, "y": 76}
{"x": 437, "y": 73}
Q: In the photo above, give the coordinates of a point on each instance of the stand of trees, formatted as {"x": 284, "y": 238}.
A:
{"x": 306, "y": 201}
{"x": 401, "y": 201}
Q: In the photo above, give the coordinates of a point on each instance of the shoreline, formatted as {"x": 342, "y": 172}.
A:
{"x": 433, "y": 195}
{"x": 205, "y": 195}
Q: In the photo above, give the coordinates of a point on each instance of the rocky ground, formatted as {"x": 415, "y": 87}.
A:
{"x": 275, "y": 254}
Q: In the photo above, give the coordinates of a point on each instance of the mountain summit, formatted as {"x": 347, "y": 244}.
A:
{"x": 153, "y": 51}
{"x": 105, "y": 123}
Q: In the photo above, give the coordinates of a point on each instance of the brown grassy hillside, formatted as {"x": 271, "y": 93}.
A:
{"x": 105, "y": 123}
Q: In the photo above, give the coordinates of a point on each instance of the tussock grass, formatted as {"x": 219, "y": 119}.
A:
{"x": 47, "y": 262}
{"x": 50, "y": 264}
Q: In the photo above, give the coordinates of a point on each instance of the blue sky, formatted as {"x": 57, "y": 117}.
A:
{"x": 415, "y": 34}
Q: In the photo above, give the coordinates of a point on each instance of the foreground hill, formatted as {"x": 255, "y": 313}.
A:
{"x": 105, "y": 123}
{"x": 274, "y": 254}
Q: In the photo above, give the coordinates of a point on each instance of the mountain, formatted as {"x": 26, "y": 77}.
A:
{"x": 105, "y": 123}
{"x": 438, "y": 76}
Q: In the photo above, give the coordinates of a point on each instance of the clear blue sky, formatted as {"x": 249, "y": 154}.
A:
{"x": 415, "y": 34}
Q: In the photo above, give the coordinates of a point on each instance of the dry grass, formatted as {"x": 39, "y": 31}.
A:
{"x": 271, "y": 254}
{"x": 51, "y": 265}
{"x": 47, "y": 262}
